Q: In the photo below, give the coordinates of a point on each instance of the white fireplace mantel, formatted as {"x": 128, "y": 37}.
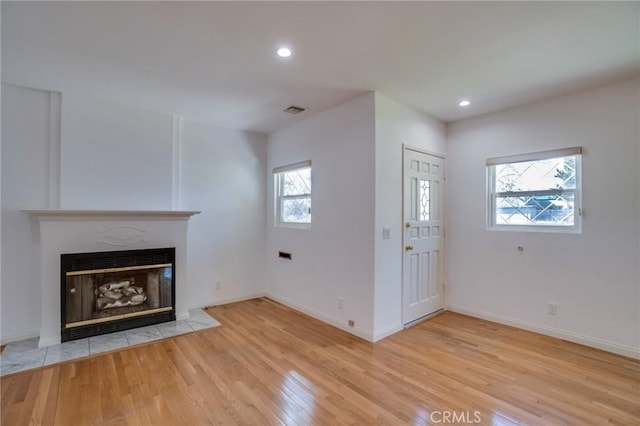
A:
{"x": 87, "y": 231}
{"x": 53, "y": 214}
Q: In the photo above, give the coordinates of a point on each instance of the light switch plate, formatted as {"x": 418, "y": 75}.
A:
{"x": 386, "y": 233}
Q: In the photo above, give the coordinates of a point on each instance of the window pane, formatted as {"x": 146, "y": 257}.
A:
{"x": 296, "y": 182}
{"x": 296, "y": 210}
{"x": 548, "y": 209}
{"x": 424, "y": 199}
{"x": 554, "y": 173}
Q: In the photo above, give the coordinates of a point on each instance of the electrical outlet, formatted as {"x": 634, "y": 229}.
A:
{"x": 218, "y": 285}
{"x": 340, "y": 303}
{"x": 552, "y": 309}
{"x": 352, "y": 323}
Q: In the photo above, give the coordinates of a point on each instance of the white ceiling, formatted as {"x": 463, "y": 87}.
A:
{"x": 215, "y": 61}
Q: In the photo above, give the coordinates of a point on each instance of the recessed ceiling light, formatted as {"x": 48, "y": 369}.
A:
{"x": 284, "y": 52}
{"x": 464, "y": 103}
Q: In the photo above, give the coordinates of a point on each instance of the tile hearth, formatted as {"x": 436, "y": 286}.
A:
{"x": 25, "y": 354}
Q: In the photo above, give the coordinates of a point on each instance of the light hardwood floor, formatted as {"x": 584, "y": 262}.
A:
{"x": 270, "y": 365}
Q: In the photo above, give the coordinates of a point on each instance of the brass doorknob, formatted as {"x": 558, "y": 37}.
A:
{"x": 408, "y": 247}
{"x": 407, "y": 225}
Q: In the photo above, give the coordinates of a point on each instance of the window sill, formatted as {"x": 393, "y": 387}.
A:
{"x": 540, "y": 228}
{"x": 293, "y": 225}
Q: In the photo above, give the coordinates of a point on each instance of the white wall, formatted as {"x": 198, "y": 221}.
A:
{"x": 334, "y": 259}
{"x": 594, "y": 276}
{"x": 223, "y": 175}
{"x": 85, "y": 153}
{"x": 356, "y": 153}
{"x": 26, "y": 138}
{"x": 115, "y": 156}
{"x": 396, "y": 124}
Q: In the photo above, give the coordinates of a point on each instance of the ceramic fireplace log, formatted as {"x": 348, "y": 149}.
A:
{"x": 120, "y": 294}
{"x": 107, "y": 302}
{"x": 130, "y": 291}
{"x": 114, "y": 286}
{"x": 112, "y": 294}
{"x": 137, "y": 299}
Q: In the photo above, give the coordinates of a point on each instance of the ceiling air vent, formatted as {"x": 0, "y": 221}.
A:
{"x": 294, "y": 109}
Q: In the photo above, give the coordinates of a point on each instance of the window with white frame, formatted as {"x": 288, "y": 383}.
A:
{"x": 538, "y": 191}
{"x": 292, "y": 188}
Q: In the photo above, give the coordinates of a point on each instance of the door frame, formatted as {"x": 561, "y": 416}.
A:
{"x": 445, "y": 263}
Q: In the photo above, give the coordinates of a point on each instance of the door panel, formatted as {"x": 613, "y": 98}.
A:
{"x": 423, "y": 241}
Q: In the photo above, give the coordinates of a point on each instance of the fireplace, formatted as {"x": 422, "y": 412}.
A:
{"x": 116, "y": 290}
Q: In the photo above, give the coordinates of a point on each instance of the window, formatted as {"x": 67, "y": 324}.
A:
{"x": 539, "y": 191}
{"x": 293, "y": 194}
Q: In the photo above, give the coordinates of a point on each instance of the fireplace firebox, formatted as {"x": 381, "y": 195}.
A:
{"x": 116, "y": 290}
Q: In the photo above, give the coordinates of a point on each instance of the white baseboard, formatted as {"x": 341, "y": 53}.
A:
{"x": 593, "y": 342}
{"x": 387, "y": 331}
{"x": 336, "y": 322}
{"x": 228, "y": 300}
{"x": 8, "y": 338}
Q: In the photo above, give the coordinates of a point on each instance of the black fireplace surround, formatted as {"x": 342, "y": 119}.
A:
{"x": 116, "y": 290}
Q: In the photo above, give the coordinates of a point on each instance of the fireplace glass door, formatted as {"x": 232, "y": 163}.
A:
{"x": 111, "y": 291}
{"x": 105, "y": 294}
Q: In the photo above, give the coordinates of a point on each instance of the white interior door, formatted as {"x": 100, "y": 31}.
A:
{"x": 422, "y": 275}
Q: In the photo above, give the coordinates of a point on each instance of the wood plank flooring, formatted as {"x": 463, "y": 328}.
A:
{"x": 270, "y": 365}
